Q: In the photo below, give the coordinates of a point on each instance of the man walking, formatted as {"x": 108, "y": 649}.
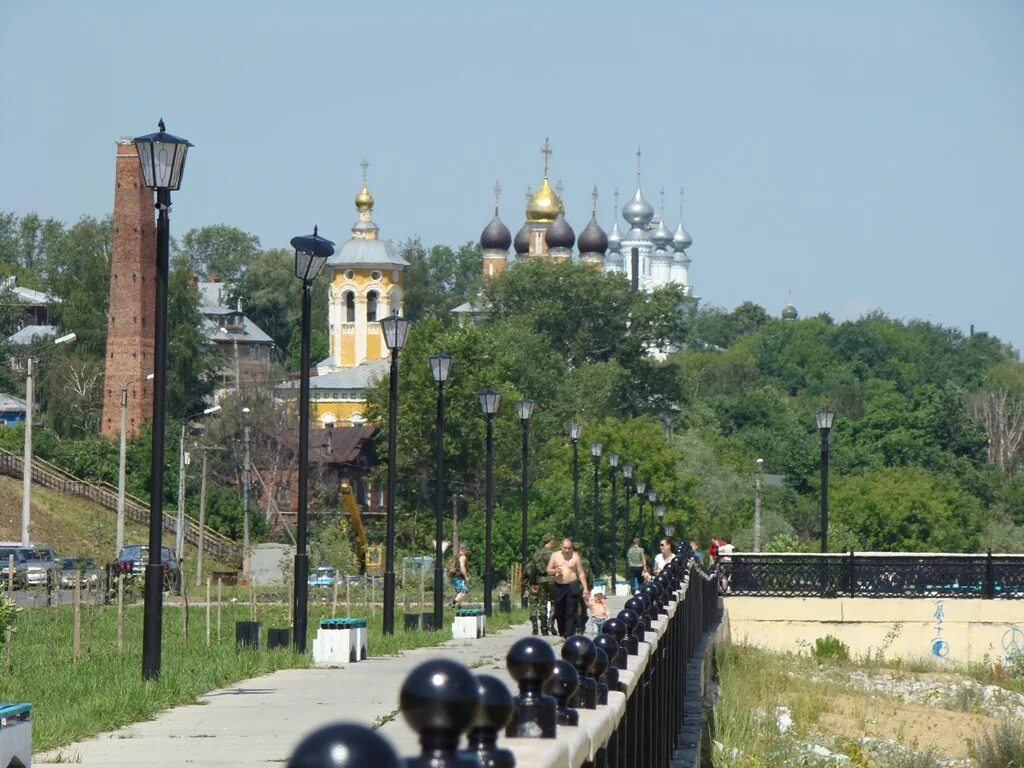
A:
{"x": 538, "y": 586}
{"x": 636, "y": 562}
{"x": 570, "y": 583}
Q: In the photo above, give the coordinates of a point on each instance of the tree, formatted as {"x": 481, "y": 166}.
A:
{"x": 191, "y": 363}
{"x": 79, "y": 275}
{"x": 219, "y": 250}
{"x": 439, "y": 279}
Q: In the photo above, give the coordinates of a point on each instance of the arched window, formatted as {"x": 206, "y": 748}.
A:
{"x": 371, "y": 307}
{"x": 350, "y": 307}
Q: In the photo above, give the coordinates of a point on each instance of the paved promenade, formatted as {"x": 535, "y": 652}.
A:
{"x": 259, "y": 721}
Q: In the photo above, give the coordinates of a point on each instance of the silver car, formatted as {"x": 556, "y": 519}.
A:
{"x": 72, "y": 567}
{"x": 43, "y": 566}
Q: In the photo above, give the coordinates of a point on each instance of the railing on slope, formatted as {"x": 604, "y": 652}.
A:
{"x": 876, "y": 574}
{"x": 51, "y": 476}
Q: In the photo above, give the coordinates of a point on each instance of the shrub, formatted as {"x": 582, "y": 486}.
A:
{"x": 830, "y": 649}
{"x": 8, "y": 612}
{"x": 1001, "y": 747}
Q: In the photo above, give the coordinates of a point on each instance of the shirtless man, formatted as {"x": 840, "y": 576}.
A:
{"x": 570, "y": 578}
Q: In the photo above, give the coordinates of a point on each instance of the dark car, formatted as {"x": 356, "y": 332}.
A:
{"x": 131, "y": 562}
{"x": 21, "y": 557}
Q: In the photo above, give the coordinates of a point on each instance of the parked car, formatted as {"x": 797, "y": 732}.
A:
{"x": 322, "y": 576}
{"x": 84, "y": 566}
{"x": 131, "y": 562}
{"x": 21, "y": 557}
{"x": 44, "y": 567}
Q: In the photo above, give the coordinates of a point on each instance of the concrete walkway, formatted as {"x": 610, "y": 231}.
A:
{"x": 260, "y": 721}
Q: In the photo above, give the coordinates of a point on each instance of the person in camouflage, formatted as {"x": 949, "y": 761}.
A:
{"x": 538, "y": 586}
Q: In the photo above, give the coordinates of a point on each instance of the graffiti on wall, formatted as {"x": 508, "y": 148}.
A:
{"x": 940, "y": 647}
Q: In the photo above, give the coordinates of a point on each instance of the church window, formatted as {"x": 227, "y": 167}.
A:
{"x": 350, "y": 307}
{"x": 371, "y": 307}
{"x": 349, "y": 274}
{"x": 375, "y": 275}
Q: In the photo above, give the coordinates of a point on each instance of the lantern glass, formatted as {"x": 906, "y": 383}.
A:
{"x": 595, "y": 449}
{"x": 652, "y": 496}
{"x": 524, "y": 408}
{"x": 824, "y": 418}
{"x": 308, "y": 265}
{"x": 396, "y": 330}
{"x": 627, "y": 471}
{"x": 575, "y": 430}
{"x": 162, "y": 157}
{"x": 660, "y": 511}
{"x": 440, "y": 365}
{"x": 640, "y": 487}
{"x": 613, "y": 459}
{"x": 311, "y": 254}
{"x": 490, "y": 399}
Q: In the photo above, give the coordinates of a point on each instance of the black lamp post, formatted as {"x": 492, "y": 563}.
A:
{"x": 652, "y": 497}
{"x": 396, "y": 331}
{"x": 824, "y": 419}
{"x": 490, "y": 399}
{"x": 524, "y": 408}
{"x": 440, "y": 365}
{"x": 660, "y": 512}
{"x": 311, "y": 254}
{"x": 627, "y": 474}
{"x": 640, "y": 488}
{"x": 595, "y": 452}
{"x": 613, "y": 463}
{"x": 575, "y": 430}
{"x": 162, "y": 157}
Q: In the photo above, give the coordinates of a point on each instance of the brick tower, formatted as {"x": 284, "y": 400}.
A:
{"x": 131, "y": 314}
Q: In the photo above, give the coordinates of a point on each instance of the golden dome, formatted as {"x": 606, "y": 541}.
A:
{"x": 545, "y": 205}
{"x": 364, "y": 200}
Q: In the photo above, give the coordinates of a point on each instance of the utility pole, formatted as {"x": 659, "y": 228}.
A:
{"x": 26, "y": 465}
{"x": 179, "y": 525}
{"x": 757, "y": 506}
{"x": 121, "y": 470}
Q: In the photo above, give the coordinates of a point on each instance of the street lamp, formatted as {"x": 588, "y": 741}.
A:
{"x": 613, "y": 463}
{"x": 824, "y": 419}
{"x": 652, "y": 497}
{"x": 246, "y": 474}
{"x": 595, "y": 452}
{"x": 490, "y": 399}
{"x": 757, "y": 505}
{"x": 640, "y": 488}
{"x": 575, "y": 430}
{"x": 660, "y": 512}
{"x": 311, "y": 254}
{"x": 162, "y": 157}
{"x": 396, "y": 331}
{"x": 440, "y": 365}
{"x": 26, "y": 465}
{"x": 627, "y": 474}
{"x": 524, "y": 408}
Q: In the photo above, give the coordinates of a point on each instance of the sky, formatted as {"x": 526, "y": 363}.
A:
{"x": 856, "y": 156}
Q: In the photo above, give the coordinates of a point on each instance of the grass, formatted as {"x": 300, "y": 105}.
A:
{"x": 105, "y": 690}
{"x": 1001, "y": 747}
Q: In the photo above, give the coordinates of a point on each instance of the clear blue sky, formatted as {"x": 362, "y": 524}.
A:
{"x": 862, "y": 155}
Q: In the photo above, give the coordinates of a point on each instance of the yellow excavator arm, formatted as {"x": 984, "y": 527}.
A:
{"x": 348, "y": 497}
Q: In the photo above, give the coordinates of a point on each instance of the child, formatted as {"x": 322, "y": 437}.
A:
{"x": 598, "y": 609}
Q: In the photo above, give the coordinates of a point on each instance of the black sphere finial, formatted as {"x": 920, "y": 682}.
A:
{"x": 530, "y": 662}
{"x": 579, "y": 651}
{"x": 610, "y": 646}
{"x": 563, "y": 685}
{"x": 617, "y": 629}
{"x": 344, "y": 745}
{"x": 496, "y": 709}
{"x": 439, "y": 700}
{"x": 597, "y": 671}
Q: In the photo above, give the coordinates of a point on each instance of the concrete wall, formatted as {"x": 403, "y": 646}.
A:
{"x": 266, "y": 563}
{"x": 957, "y": 631}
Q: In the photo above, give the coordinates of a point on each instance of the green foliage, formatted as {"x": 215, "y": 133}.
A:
{"x": 8, "y": 614}
{"x": 219, "y": 251}
{"x": 830, "y": 650}
{"x": 1000, "y": 746}
{"x": 439, "y": 279}
{"x": 190, "y": 362}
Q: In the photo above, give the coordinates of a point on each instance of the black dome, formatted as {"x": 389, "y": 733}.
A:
{"x": 495, "y": 236}
{"x": 592, "y": 238}
{"x": 522, "y": 241}
{"x": 560, "y": 234}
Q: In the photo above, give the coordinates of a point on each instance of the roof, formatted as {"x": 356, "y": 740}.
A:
{"x": 30, "y": 333}
{"x": 250, "y": 333}
{"x": 357, "y": 377}
{"x": 12, "y": 404}
{"x": 363, "y": 252}
{"x": 339, "y": 445}
{"x": 27, "y": 295}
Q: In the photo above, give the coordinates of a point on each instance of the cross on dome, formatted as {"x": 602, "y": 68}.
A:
{"x": 547, "y": 151}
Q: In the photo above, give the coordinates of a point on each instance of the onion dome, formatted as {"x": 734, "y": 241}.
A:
{"x": 661, "y": 236}
{"x": 560, "y": 234}
{"x": 364, "y": 200}
{"x": 615, "y": 238}
{"x": 495, "y": 236}
{"x": 789, "y": 311}
{"x": 681, "y": 240}
{"x": 522, "y": 241}
{"x": 545, "y": 205}
{"x": 638, "y": 212}
{"x": 592, "y": 239}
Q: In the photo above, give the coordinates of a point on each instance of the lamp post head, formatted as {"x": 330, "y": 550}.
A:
{"x": 670, "y": 530}
{"x": 613, "y": 460}
{"x": 595, "y": 449}
{"x": 490, "y": 399}
{"x": 824, "y": 418}
{"x": 652, "y": 496}
{"x": 760, "y": 464}
{"x": 65, "y": 339}
{"x": 640, "y": 488}
{"x": 627, "y": 471}
{"x": 524, "y": 408}
{"x": 440, "y": 365}
{"x": 396, "y": 330}
{"x": 575, "y": 430}
{"x": 660, "y": 511}
{"x": 162, "y": 157}
{"x": 311, "y": 254}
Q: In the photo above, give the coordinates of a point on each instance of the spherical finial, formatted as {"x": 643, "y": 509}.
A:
{"x": 579, "y": 651}
{"x": 530, "y": 661}
{"x": 563, "y": 684}
{"x": 496, "y": 704}
{"x": 598, "y": 670}
{"x": 440, "y": 697}
{"x": 616, "y": 628}
{"x": 344, "y": 745}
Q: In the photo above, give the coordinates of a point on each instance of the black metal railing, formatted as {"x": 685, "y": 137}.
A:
{"x": 874, "y": 574}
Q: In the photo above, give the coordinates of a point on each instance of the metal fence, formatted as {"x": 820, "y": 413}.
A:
{"x": 875, "y": 574}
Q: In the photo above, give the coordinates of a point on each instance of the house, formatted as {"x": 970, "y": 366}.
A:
{"x": 246, "y": 348}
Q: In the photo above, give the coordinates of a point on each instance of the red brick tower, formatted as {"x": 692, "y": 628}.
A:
{"x": 130, "y": 319}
